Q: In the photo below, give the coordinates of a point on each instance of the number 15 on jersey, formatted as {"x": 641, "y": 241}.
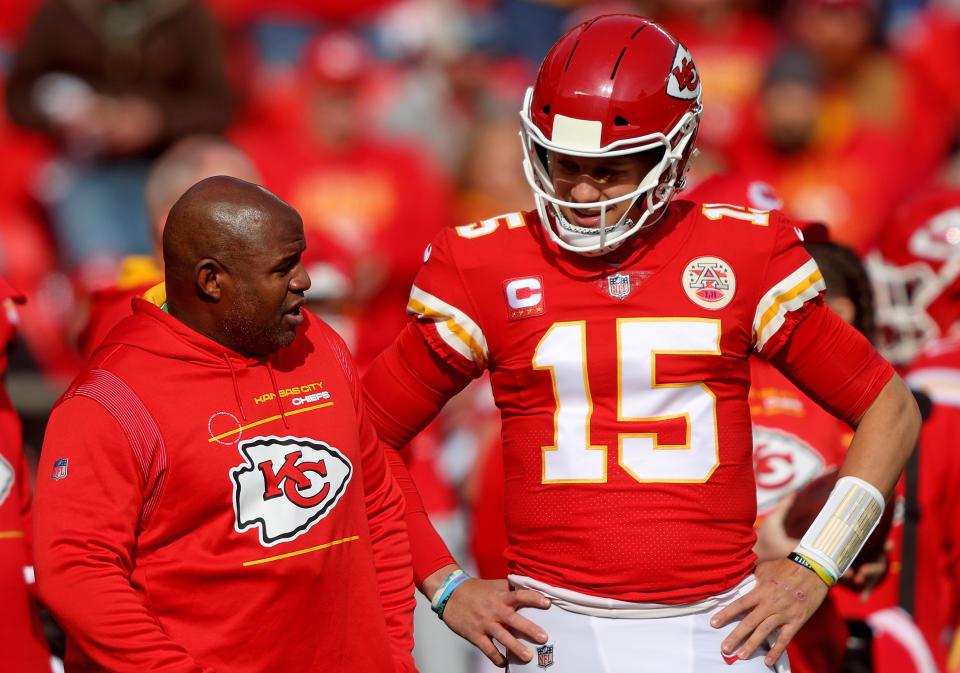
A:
{"x": 640, "y": 398}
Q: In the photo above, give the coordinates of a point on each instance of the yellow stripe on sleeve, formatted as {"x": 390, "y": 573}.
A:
{"x": 454, "y": 326}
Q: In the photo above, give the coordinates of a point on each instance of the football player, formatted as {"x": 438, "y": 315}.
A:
{"x": 617, "y": 324}
{"x": 915, "y": 271}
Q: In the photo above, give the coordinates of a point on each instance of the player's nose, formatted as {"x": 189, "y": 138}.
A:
{"x": 584, "y": 191}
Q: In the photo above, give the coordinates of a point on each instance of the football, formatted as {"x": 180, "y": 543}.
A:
{"x": 810, "y": 499}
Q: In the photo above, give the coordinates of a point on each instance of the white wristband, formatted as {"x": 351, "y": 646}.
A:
{"x": 843, "y": 525}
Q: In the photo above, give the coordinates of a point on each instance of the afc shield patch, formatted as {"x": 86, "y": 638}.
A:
{"x": 545, "y": 656}
{"x": 709, "y": 282}
{"x": 287, "y": 485}
{"x": 59, "y": 469}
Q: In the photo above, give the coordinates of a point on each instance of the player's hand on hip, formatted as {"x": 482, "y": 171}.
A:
{"x": 784, "y": 598}
{"x": 486, "y": 610}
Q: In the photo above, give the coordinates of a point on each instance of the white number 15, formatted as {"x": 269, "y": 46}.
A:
{"x": 563, "y": 352}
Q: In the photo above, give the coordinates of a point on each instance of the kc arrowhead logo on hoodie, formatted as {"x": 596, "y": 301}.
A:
{"x": 286, "y": 485}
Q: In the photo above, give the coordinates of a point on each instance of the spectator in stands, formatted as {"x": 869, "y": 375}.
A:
{"x": 490, "y": 179}
{"x": 867, "y": 83}
{"x": 28, "y": 258}
{"x": 114, "y": 83}
{"x": 931, "y": 39}
{"x": 734, "y": 44}
{"x": 826, "y": 170}
{"x": 377, "y": 200}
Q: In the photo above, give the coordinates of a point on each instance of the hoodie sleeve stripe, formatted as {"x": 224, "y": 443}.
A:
{"x": 788, "y": 295}
{"x": 456, "y": 329}
{"x": 138, "y": 425}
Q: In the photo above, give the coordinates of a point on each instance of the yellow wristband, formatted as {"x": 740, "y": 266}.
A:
{"x": 827, "y": 578}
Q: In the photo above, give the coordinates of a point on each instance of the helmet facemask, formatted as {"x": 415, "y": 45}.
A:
{"x": 653, "y": 192}
{"x": 914, "y": 304}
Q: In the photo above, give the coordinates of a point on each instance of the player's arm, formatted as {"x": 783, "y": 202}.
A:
{"x": 405, "y": 387}
{"x": 837, "y": 367}
{"x": 85, "y": 527}
{"x": 384, "y": 506}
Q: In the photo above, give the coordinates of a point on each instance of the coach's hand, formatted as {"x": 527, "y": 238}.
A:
{"x": 486, "y": 610}
{"x": 784, "y": 598}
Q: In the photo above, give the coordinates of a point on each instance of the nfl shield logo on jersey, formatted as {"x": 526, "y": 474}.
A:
{"x": 618, "y": 285}
{"x": 545, "y": 656}
{"x": 59, "y": 469}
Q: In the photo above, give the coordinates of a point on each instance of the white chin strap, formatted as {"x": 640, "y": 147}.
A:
{"x": 592, "y": 241}
{"x": 596, "y": 241}
{"x": 583, "y": 238}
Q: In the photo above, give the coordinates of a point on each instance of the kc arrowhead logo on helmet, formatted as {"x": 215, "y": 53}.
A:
{"x": 684, "y": 80}
{"x": 286, "y": 485}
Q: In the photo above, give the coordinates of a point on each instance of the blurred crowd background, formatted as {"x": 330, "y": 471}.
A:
{"x": 382, "y": 121}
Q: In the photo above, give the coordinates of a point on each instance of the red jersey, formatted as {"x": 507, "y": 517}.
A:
{"x": 200, "y": 511}
{"x": 622, "y": 390}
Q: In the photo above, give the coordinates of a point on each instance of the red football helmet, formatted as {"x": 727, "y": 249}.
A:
{"x": 614, "y": 85}
{"x": 915, "y": 272}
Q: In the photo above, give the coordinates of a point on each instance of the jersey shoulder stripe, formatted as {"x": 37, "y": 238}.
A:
{"x": 460, "y": 332}
{"x": 789, "y": 294}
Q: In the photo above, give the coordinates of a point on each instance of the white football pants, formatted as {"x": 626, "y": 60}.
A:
{"x": 646, "y": 638}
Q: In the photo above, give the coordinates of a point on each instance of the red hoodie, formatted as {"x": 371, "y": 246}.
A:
{"x": 200, "y": 511}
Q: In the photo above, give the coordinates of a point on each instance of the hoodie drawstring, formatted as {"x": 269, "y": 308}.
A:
{"x": 236, "y": 386}
{"x": 276, "y": 392}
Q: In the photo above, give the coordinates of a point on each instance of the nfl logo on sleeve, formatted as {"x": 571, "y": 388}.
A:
{"x": 545, "y": 656}
{"x": 59, "y": 469}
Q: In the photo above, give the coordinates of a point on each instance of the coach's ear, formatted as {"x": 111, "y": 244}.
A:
{"x": 211, "y": 279}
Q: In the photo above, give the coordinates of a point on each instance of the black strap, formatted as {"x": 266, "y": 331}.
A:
{"x": 911, "y": 516}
